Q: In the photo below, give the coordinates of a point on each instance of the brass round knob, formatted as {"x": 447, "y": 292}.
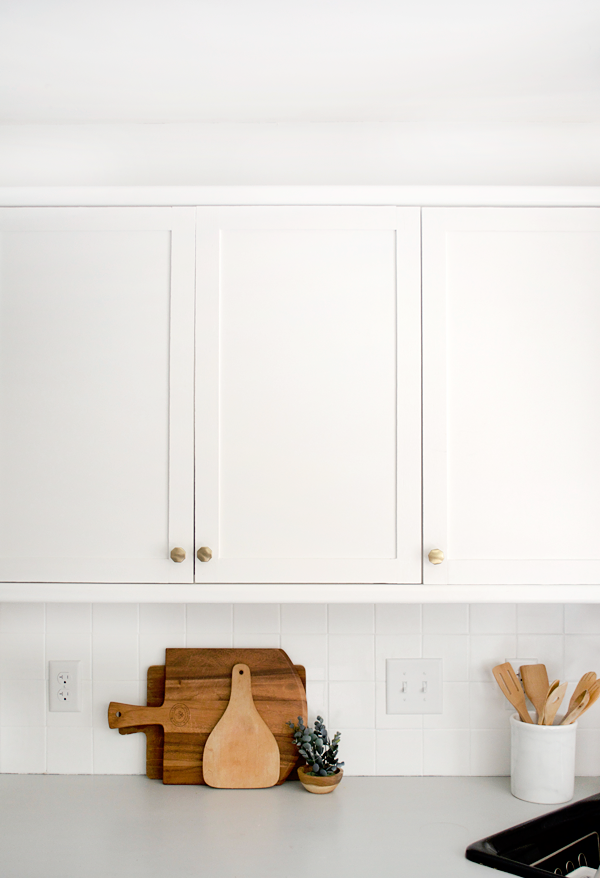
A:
{"x": 178, "y": 555}
{"x": 436, "y": 556}
{"x": 204, "y": 554}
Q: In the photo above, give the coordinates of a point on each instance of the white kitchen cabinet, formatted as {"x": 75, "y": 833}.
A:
{"x": 96, "y": 394}
{"x": 308, "y": 410}
{"x": 511, "y": 320}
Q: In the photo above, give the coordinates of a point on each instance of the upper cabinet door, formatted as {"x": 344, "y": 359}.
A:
{"x": 308, "y": 395}
{"x": 96, "y": 394}
{"x": 511, "y": 322}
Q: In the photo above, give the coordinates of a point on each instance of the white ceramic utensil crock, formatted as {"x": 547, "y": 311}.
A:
{"x": 542, "y": 761}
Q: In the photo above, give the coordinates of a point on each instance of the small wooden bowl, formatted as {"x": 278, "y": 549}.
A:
{"x": 319, "y": 785}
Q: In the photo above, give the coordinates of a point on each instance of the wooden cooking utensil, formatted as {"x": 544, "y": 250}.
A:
{"x": 553, "y": 702}
{"x": 594, "y": 691}
{"x": 585, "y": 683}
{"x": 241, "y": 752}
{"x": 197, "y": 692}
{"x": 535, "y": 683}
{"x": 155, "y": 735}
{"x": 511, "y": 688}
{"x": 551, "y": 688}
{"x": 581, "y": 702}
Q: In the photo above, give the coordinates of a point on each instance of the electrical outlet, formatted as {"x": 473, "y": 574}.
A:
{"x": 413, "y": 685}
{"x": 63, "y": 686}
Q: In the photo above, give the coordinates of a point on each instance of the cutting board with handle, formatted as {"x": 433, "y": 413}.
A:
{"x": 241, "y": 752}
{"x": 155, "y": 736}
{"x": 197, "y": 689}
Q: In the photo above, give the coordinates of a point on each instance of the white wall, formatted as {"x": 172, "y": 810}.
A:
{"x": 300, "y": 153}
{"x": 342, "y": 646}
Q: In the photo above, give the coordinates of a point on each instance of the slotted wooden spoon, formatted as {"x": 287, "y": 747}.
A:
{"x": 553, "y": 685}
{"x": 580, "y": 705}
{"x": 536, "y": 685}
{"x": 585, "y": 683}
{"x": 511, "y": 689}
{"x": 553, "y": 702}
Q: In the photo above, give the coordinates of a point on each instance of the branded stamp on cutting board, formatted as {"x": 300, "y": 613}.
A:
{"x": 200, "y": 681}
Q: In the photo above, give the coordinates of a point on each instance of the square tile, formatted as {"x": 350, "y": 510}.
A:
{"x": 351, "y": 705}
{"x": 582, "y": 653}
{"x": 168, "y": 619}
{"x": 22, "y": 617}
{"x": 152, "y": 649}
{"x": 548, "y": 648}
{"x": 445, "y": 619}
{"x": 317, "y": 701}
{"x": 351, "y": 618}
{"x": 446, "y": 752}
{"x": 219, "y": 640}
{"x": 309, "y": 650}
{"x": 70, "y": 645}
{"x": 455, "y": 713}
{"x": 587, "y": 754}
{"x": 540, "y": 618}
{"x": 488, "y": 707}
{"x": 394, "y": 646}
{"x": 23, "y": 702}
{"x": 115, "y": 620}
{"x": 115, "y": 656}
{"x": 351, "y": 657}
{"x": 582, "y": 619}
{"x": 23, "y": 750}
{"x": 22, "y": 655}
{"x": 114, "y": 753}
{"x": 490, "y": 650}
{"x": 493, "y": 618}
{"x": 398, "y": 618}
{"x": 256, "y": 641}
{"x": 384, "y": 720}
{"x": 453, "y": 649}
{"x": 69, "y": 751}
{"x": 490, "y": 752}
{"x": 304, "y": 618}
{"x": 399, "y": 752}
{"x": 69, "y": 617}
{"x": 208, "y": 622}
{"x": 256, "y": 619}
{"x": 357, "y": 751}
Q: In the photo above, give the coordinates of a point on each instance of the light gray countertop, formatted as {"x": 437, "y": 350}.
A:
{"x": 57, "y": 826}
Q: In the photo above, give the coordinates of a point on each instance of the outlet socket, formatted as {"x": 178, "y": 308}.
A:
{"x": 63, "y": 686}
{"x": 414, "y": 686}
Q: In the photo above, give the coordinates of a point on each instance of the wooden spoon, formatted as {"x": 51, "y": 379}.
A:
{"x": 551, "y": 688}
{"x": 594, "y": 691}
{"x": 553, "y": 702}
{"x": 536, "y": 685}
{"x": 511, "y": 689}
{"x": 585, "y": 683}
{"x": 581, "y": 702}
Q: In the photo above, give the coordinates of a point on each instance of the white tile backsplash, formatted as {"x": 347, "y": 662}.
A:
{"x": 343, "y": 647}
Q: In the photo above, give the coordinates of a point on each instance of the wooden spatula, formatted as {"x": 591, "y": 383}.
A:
{"x": 241, "y": 752}
{"x": 581, "y": 703}
{"x": 553, "y": 702}
{"x": 536, "y": 685}
{"x": 511, "y": 689}
{"x": 585, "y": 683}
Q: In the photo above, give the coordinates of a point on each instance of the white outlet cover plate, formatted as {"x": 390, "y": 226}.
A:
{"x": 58, "y": 683}
{"x": 414, "y": 686}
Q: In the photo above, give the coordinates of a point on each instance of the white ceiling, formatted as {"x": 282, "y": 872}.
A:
{"x": 65, "y": 61}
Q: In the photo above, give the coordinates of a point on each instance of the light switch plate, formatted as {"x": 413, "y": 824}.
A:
{"x": 414, "y": 686}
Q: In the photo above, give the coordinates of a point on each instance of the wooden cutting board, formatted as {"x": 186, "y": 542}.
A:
{"x": 241, "y": 752}
{"x": 155, "y": 735}
{"x": 197, "y": 692}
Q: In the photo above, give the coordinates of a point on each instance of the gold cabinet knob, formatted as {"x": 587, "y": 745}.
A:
{"x": 178, "y": 555}
{"x": 436, "y": 556}
{"x": 204, "y": 554}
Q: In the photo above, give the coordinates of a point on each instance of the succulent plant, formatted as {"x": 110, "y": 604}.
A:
{"x": 317, "y": 749}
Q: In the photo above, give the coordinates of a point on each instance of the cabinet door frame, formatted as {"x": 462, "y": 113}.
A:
{"x": 180, "y": 223}
{"x": 405, "y": 222}
{"x": 436, "y": 223}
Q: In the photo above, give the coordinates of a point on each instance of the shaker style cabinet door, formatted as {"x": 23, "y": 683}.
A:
{"x": 511, "y": 329}
{"x": 308, "y": 395}
{"x": 96, "y": 394}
